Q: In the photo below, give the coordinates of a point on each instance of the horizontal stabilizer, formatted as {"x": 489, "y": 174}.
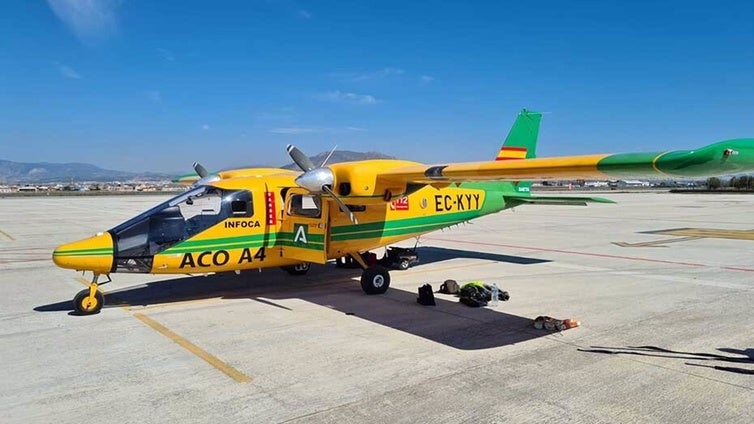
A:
{"x": 553, "y": 200}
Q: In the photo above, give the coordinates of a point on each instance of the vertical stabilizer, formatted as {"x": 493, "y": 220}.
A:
{"x": 521, "y": 142}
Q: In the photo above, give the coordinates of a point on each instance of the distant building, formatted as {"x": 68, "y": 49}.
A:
{"x": 632, "y": 183}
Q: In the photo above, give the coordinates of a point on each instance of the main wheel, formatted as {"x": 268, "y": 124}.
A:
{"x": 85, "y": 306}
{"x": 298, "y": 269}
{"x": 403, "y": 264}
{"x": 375, "y": 280}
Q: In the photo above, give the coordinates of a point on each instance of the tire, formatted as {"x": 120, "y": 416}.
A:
{"x": 375, "y": 280}
{"x": 82, "y": 306}
{"x": 299, "y": 269}
{"x": 403, "y": 264}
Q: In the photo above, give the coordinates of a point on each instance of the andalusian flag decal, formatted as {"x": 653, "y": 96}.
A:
{"x": 507, "y": 153}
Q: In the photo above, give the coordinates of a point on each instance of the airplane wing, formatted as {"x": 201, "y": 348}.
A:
{"x": 723, "y": 158}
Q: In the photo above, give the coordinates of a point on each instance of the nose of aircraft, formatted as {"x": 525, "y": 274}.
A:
{"x": 93, "y": 254}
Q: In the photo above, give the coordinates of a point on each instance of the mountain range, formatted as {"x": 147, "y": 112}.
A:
{"x": 46, "y": 172}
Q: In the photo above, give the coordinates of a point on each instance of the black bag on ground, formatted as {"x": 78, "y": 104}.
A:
{"x": 426, "y": 297}
{"x": 449, "y": 287}
{"x": 474, "y": 296}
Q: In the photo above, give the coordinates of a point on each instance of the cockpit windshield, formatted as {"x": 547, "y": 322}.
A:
{"x": 174, "y": 221}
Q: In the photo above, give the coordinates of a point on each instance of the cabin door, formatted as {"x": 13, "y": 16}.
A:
{"x": 305, "y": 231}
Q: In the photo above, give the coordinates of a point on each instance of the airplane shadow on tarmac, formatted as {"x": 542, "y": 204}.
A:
{"x": 430, "y": 254}
{"x": 745, "y": 356}
{"x": 449, "y": 322}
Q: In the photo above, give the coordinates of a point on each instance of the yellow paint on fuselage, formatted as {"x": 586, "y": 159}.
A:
{"x": 426, "y": 210}
{"x": 226, "y": 246}
{"x": 235, "y": 243}
{"x": 92, "y": 254}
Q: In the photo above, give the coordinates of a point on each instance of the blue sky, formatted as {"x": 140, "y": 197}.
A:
{"x": 154, "y": 85}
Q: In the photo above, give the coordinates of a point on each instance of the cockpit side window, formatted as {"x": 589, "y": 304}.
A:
{"x": 306, "y": 205}
{"x": 201, "y": 204}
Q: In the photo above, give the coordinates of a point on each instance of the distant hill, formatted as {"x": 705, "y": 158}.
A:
{"x": 341, "y": 156}
{"x": 44, "y": 172}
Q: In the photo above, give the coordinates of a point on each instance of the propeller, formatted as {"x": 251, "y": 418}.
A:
{"x": 204, "y": 176}
{"x": 317, "y": 179}
{"x": 202, "y": 171}
{"x": 300, "y": 158}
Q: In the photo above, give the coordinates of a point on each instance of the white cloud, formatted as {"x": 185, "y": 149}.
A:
{"x": 90, "y": 20}
{"x": 67, "y": 71}
{"x": 205, "y": 127}
{"x": 352, "y": 98}
{"x": 304, "y": 14}
{"x": 425, "y": 79}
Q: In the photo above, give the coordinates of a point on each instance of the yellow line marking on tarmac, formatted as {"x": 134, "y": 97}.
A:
{"x": 708, "y": 233}
{"x": 196, "y": 350}
{"x": 654, "y": 243}
{"x": 7, "y": 235}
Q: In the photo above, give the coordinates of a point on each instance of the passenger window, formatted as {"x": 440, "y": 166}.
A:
{"x": 306, "y": 205}
{"x": 239, "y": 207}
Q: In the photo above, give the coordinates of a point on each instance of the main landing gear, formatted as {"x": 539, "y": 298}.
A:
{"x": 90, "y": 301}
{"x": 375, "y": 279}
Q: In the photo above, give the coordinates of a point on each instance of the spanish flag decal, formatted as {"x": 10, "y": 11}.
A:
{"x": 507, "y": 153}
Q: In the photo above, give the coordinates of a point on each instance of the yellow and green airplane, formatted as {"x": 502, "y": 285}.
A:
{"x": 268, "y": 217}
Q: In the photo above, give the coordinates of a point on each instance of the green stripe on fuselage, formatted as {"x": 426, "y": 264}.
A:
{"x": 102, "y": 251}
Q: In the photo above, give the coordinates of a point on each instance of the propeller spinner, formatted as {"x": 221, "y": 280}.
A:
{"x": 317, "y": 179}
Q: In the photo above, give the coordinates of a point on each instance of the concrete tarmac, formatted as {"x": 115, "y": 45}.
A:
{"x": 666, "y": 335}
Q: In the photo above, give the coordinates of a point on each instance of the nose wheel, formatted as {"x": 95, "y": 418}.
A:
{"x": 89, "y": 301}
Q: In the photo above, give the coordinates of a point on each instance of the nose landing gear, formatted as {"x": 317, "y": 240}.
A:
{"x": 90, "y": 301}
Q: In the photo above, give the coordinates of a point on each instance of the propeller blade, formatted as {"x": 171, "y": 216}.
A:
{"x": 300, "y": 158}
{"x": 324, "y": 162}
{"x": 343, "y": 207}
{"x": 200, "y": 170}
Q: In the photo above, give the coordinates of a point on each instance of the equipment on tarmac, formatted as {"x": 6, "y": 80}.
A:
{"x": 476, "y": 294}
{"x": 400, "y": 258}
{"x": 449, "y": 287}
{"x": 552, "y": 324}
{"x": 426, "y": 297}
